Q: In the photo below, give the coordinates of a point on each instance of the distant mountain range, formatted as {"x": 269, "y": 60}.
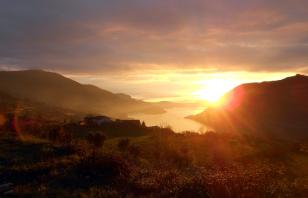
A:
{"x": 267, "y": 108}
{"x": 53, "y": 90}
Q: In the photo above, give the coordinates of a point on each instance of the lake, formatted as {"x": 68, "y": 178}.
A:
{"x": 175, "y": 118}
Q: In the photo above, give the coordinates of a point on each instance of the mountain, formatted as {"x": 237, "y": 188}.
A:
{"x": 25, "y": 108}
{"x": 278, "y": 108}
{"x": 55, "y": 90}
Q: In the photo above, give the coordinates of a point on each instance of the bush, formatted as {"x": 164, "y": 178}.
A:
{"x": 60, "y": 135}
{"x": 123, "y": 144}
{"x": 101, "y": 170}
{"x": 96, "y": 140}
{"x": 134, "y": 151}
{"x": 101, "y": 193}
{"x": 193, "y": 187}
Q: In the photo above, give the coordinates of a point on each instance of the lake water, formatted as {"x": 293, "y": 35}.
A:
{"x": 175, "y": 118}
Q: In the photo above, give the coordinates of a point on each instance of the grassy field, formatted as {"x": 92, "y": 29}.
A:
{"x": 155, "y": 165}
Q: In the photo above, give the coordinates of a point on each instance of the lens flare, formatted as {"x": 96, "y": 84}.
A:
{"x": 2, "y": 120}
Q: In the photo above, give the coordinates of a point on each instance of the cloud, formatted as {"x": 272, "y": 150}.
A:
{"x": 118, "y": 35}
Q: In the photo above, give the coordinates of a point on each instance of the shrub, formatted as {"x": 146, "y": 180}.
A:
{"x": 60, "y": 135}
{"x": 123, "y": 144}
{"x": 96, "y": 192}
{"x": 134, "y": 151}
{"x": 65, "y": 137}
{"x": 96, "y": 140}
{"x": 102, "y": 170}
{"x": 193, "y": 187}
{"x": 54, "y": 134}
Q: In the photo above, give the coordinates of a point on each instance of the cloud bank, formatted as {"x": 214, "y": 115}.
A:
{"x": 98, "y": 36}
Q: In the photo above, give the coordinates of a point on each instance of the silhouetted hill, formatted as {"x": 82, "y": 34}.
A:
{"x": 56, "y": 90}
{"x": 27, "y": 108}
{"x": 277, "y": 108}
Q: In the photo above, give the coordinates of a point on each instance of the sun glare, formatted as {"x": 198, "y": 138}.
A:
{"x": 214, "y": 89}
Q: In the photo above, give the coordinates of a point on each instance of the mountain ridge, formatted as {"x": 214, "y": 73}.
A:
{"x": 57, "y": 90}
{"x": 277, "y": 108}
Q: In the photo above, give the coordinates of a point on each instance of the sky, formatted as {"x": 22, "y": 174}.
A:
{"x": 157, "y": 49}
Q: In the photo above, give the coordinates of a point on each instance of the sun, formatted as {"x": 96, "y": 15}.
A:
{"x": 212, "y": 90}
{"x": 213, "y": 96}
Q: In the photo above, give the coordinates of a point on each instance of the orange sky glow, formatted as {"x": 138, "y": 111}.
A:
{"x": 174, "y": 50}
{"x": 177, "y": 85}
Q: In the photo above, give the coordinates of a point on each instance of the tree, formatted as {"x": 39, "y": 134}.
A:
{"x": 53, "y": 134}
{"x": 65, "y": 137}
{"x": 96, "y": 141}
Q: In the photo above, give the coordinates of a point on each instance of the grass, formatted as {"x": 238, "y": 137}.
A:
{"x": 162, "y": 165}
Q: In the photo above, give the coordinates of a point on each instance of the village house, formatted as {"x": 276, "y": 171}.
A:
{"x": 96, "y": 120}
{"x": 129, "y": 123}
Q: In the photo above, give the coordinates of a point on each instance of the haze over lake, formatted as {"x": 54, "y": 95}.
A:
{"x": 175, "y": 118}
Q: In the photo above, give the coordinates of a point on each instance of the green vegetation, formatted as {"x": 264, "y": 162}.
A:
{"x": 155, "y": 163}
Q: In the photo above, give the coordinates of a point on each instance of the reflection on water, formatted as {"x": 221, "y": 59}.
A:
{"x": 175, "y": 118}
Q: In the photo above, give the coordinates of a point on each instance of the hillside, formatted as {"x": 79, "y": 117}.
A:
{"x": 56, "y": 90}
{"x": 23, "y": 107}
{"x": 277, "y": 108}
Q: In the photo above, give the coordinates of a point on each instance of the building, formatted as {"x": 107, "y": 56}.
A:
{"x": 97, "y": 120}
{"x": 129, "y": 123}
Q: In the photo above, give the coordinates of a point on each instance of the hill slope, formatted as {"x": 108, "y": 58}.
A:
{"x": 56, "y": 90}
{"x": 275, "y": 108}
